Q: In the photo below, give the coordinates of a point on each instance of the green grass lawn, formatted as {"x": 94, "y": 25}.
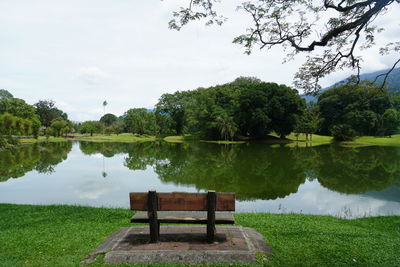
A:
{"x": 64, "y": 235}
{"x": 122, "y": 138}
{"x": 41, "y": 139}
{"x": 290, "y": 140}
{"x": 360, "y": 141}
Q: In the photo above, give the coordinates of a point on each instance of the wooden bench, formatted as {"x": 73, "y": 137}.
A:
{"x": 178, "y": 208}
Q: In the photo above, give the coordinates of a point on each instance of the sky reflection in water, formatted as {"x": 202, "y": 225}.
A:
{"x": 321, "y": 180}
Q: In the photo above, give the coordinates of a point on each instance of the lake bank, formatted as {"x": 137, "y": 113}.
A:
{"x": 290, "y": 140}
{"x": 30, "y": 141}
{"x": 64, "y": 235}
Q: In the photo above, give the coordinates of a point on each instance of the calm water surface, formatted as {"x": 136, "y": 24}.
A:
{"x": 343, "y": 182}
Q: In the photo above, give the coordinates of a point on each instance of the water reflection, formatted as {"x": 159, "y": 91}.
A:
{"x": 331, "y": 180}
{"x": 259, "y": 171}
{"x": 43, "y": 158}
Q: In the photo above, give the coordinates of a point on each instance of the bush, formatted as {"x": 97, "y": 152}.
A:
{"x": 343, "y": 132}
{"x": 3, "y": 142}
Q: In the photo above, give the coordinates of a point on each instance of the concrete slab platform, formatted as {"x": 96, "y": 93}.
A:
{"x": 184, "y": 244}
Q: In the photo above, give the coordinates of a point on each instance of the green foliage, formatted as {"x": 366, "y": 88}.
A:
{"x": 13, "y": 125}
{"x": 268, "y": 107}
{"x": 49, "y": 131}
{"x": 309, "y": 122}
{"x": 4, "y": 94}
{"x": 391, "y": 121}
{"x": 43, "y": 158}
{"x": 91, "y": 127}
{"x": 330, "y": 32}
{"x": 360, "y": 107}
{"x": 26, "y": 126}
{"x": 35, "y": 127}
{"x": 118, "y": 126}
{"x": 174, "y": 106}
{"x": 343, "y": 132}
{"x": 246, "y": 107}
{"x": 7, "y": 122}
{"x": 18, "y": 108}
{"x": 108, "y": 119}
{"x": 164, "y": 123}
{"x": 140, "y": 121}
{"x": 48, "y": 112}
{"x": 59, "y": 126}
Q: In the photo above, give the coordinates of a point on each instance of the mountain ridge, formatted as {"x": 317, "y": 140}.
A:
{"x": 393, "y": 82}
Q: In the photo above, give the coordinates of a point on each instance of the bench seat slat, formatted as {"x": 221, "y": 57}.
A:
{"x": 184, "y": 217}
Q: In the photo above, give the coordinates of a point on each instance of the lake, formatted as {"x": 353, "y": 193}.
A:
{"x": 326, "y": 180}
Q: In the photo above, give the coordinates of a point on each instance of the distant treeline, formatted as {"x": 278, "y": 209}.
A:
{"x": 17, "y": 118}
{"x": 251, "y": 109}
{"x": 246, "y": 108}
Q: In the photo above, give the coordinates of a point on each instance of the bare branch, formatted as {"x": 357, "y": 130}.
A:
{"x": 386, "y": 74}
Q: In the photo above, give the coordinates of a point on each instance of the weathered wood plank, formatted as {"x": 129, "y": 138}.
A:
{"x": 199, "y": 217}
{"x": 183, "y": 201}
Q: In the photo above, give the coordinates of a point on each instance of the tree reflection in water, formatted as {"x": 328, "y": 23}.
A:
{"x": 260, "y": 171}
{"x": 42, "y": 157}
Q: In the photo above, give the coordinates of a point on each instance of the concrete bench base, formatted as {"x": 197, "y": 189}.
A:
{"x": 184, "y": 244}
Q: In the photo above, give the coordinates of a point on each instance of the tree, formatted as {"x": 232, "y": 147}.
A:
{"x": 108, "y": 119}
{"x": 309, "y": 122}
{"x": 59, "y": 126}
{"x": 91, "y": 127}
{"x": 48, "y": 112}
{"x": 104, "y": 106}
{"x": 358, "y": 106}
{"x": 4, "y": 94}
{"x": 267, "y": 107}
{"x": 35, "y": 127}
{"x": 391, "y": 121}
{"x": 118, "y": 127}
{"x": 7, "y": 122}
{"x": 140, "y": 121}
{"x": 342, "y": 132}
{"x": 334, "y": 30}
{"x": 26, "y": 126}
{"x": 18, "y": 108}
{"x": 245, "y": 107}
{"x": 174, "y": 106}
{"x": 227, "y": 127}
{"x": 164, "y": 123}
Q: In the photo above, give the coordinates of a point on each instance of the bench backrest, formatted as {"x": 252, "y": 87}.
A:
{"x": 183, "y": 201}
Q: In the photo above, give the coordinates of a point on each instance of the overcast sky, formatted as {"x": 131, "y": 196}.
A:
{"x": 82, "y": 52}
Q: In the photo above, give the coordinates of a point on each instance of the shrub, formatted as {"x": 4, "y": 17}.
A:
{"x": 343, "y": 132}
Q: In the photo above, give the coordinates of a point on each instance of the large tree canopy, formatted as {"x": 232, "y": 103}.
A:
{"x": 48, "y": 112}
{"x": 4, "y": 94}
{"x": 333, "y": 30}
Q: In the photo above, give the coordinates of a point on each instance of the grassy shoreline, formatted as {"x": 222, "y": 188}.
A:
{"x": 121, "y": 138}
{"x": 291, "y": 140}
{"x": 64, "y": 235}
{"x": 31, "y": 141}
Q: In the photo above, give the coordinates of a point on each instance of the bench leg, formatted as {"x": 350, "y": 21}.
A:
{"x": 154, "y": 231}
{"x": 152, "y": 214}
{"x": 211, "y": 203}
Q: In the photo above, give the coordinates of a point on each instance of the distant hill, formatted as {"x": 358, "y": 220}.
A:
{"x": 393, "y": 82}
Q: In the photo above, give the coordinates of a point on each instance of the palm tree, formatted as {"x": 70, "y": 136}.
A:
{"x": 227, "y": 127}
{"x": 104, "y": 106}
